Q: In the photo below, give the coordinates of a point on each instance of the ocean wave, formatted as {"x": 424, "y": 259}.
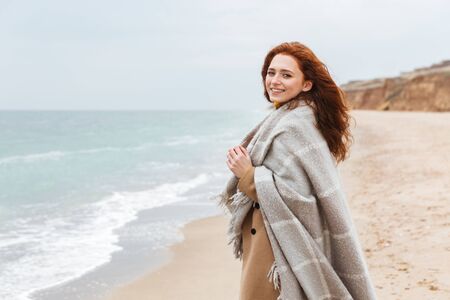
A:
{"x": 58, "y": 154}
{"x": 224, "y": 137}
{"x": 52, "y": 155}
{"x": 182, "y": 140}
{"x": 50, "y": 250}
{"x": 158, "y": 165}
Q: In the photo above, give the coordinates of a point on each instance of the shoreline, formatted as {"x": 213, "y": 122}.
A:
{"x": 191, "y": 266}
{"x": 396, "y": 183}
{"x": 142, "y": 251}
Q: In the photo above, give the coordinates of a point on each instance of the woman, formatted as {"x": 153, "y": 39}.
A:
{"x": 289, "y": 219}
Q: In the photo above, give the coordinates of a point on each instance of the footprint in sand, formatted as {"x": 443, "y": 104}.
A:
{"x": 403, "y": 266}
{"x": 431, "y": 284}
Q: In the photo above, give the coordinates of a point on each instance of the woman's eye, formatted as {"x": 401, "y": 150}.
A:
{"x": 271, "y": 73}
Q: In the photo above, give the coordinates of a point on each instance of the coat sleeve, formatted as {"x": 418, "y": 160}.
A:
{"x": 247, "y": 184}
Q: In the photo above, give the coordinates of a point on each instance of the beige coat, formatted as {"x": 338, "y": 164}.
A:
{"x": 257, "y": 256}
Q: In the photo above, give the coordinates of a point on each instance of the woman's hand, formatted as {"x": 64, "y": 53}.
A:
{"x": 238, "y": 161}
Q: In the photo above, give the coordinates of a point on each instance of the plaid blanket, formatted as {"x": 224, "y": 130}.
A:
{"x": 313, "y": 238}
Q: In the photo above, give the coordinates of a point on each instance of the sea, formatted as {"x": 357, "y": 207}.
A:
{"x": 90, "y": 200}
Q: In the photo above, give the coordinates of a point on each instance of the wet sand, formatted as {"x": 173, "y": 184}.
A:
{"x": 397, "y": 182}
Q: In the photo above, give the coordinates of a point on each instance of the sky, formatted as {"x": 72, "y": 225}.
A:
{"x": 199, "y": 54}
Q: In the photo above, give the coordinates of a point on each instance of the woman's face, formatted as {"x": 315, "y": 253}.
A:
{"x": 284, "y": 79}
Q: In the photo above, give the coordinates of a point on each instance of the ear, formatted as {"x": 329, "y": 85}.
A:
{"x": 307, "y": 85}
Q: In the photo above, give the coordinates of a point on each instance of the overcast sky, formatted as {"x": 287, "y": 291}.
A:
{"x": 199, "y": 54}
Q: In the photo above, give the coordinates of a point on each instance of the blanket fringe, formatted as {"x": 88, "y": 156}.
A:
{"x": 235, "y": 236}
{"x": 223, "y": 202}
{"x": 236, "y": 240}
{"x": 274, "y": 277}
{"x": 239, "y": 199}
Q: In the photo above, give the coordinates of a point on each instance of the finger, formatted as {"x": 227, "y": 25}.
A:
{"x": 229, "y": 164}
{"x": 231, "y": 167}
{"x": 233, "y": 153}
{"x": 239, "y": 150}
{"x": 244, "y": 151}
{"x": 230, "y": 158}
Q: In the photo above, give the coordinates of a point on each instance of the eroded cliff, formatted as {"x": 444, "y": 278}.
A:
{"x": 424, "y": 89}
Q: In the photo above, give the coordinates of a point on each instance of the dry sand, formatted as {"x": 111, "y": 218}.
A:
{"x": 397, "y": 181}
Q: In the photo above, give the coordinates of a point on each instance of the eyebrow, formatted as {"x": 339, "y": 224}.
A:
{"x": 282, "y": 70}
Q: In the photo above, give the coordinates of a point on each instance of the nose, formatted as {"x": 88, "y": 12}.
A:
{"x": 276, "y": 79}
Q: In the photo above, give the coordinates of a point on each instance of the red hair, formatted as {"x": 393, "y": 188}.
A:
{"x": 325, "y": 98}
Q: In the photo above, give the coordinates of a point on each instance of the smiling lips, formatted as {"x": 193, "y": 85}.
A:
{"x": 276, "y": 91}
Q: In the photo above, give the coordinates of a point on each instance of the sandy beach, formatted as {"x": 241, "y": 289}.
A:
{"x": 397, "y": 182}
{"x": 201, "y": 265}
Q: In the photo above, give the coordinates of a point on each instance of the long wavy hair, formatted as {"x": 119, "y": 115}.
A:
{"x": 325, "y": 98}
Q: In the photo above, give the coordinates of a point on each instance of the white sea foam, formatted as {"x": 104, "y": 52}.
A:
{"x": 225, "y": 138}
{"x": 44, "y": 251}
{"x": 157, "y": 165}
{"x": 182, "y": 140}
{"x": 52, "y": 155}
{"x": 58, "y": 154}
